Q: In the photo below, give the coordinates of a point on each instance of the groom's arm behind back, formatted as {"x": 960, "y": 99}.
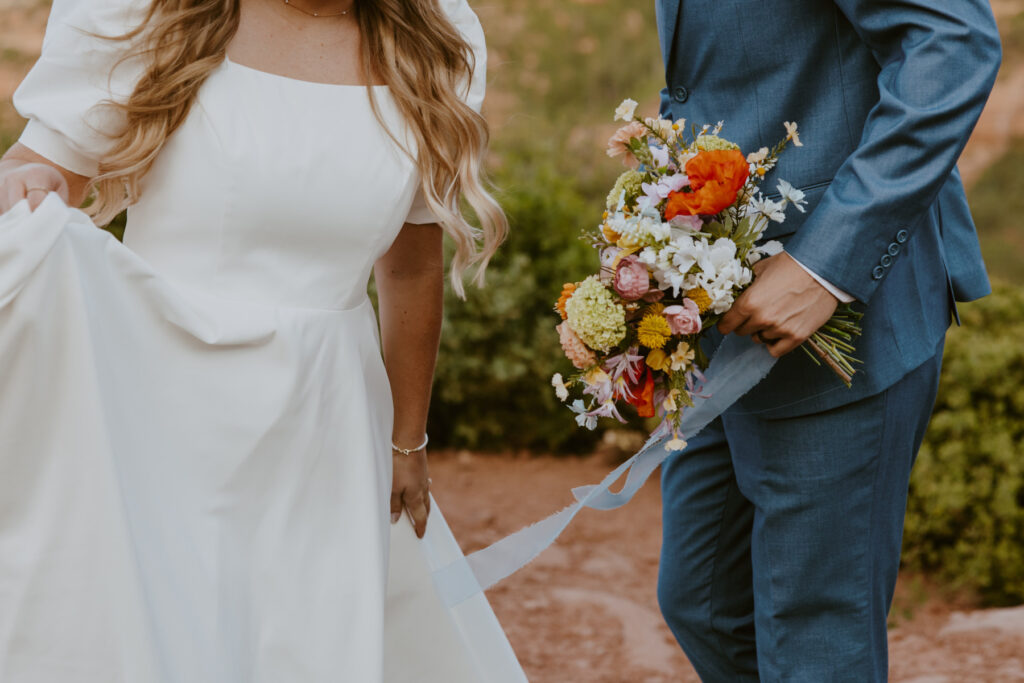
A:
{"x": 938, "y": 62}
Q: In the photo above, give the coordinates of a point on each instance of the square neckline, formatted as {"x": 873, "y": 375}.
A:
{"x": 270, "y": 74}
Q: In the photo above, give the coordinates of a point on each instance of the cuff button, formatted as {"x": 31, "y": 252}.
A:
{"x": 878, "y": 272}
{"x": 894, "y": 249}
{"x": 886, "y": 261}
{"x": 902, "y": 236}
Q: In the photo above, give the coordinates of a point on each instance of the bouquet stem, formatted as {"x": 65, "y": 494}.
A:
{"x": 832, "y": 343}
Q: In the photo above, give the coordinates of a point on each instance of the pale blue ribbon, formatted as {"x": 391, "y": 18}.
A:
{"x": 738, "y": 365}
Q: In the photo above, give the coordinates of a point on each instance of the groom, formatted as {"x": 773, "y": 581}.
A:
{"x": 783, "y": 519}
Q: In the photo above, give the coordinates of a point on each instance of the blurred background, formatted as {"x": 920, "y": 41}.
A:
{"x": 509, "y": 452}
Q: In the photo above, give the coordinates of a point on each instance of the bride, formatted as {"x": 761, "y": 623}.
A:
{"x": 201, "y": 445}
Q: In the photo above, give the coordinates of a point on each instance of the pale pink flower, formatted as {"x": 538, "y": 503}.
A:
{"x": 618, "y": 144}
{"x": 632, "y": 279}
{"x": 575, "y": 350}
{"x": 684, "y": 319}
{"x": 628, "y": 363}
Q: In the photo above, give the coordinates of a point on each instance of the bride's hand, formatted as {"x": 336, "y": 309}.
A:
{"x": 410, "y": 488}
{"x": 32, "y": 181}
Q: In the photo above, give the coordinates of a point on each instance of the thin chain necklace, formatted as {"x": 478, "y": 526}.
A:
{"x": 317, "y": 14}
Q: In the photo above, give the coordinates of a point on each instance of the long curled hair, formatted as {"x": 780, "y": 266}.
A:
{"x": 408, "y": 45}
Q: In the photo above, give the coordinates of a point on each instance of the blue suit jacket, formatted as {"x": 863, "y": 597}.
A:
{"x": 886, "y": 93}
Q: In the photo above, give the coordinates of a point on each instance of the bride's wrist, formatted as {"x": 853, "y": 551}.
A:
{"x": 409, "y": 446}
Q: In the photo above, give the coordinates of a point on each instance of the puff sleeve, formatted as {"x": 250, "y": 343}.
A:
{"x": 79, "y": 69}
{"x": 466, "y": 21}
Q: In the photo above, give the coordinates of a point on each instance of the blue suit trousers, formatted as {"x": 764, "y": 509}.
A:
{"x": 782, "y": 537}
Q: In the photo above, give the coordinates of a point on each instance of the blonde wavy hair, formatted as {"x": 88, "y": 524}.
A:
{"x": 408, "y": 45}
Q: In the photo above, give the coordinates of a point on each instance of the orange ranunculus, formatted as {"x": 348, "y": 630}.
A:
{"x": 643, "y": 394}
{"x": 715, "y": 179}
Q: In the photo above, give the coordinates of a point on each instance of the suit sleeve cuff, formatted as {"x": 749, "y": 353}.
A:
{"x": 832, "y": 289}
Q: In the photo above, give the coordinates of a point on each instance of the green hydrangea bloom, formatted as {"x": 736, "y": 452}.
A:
{"x": 595, "y": 316}
{"x": 710, "y": 143}
{"x": 630, "y": 181}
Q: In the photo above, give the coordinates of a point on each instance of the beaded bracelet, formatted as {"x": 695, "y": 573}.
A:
{"x": 409, "y": 451}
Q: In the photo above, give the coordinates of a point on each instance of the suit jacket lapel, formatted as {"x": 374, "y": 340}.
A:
{"x": 667, "y": 12}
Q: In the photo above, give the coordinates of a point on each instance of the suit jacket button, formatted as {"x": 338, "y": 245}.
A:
{"x": 902, "y": 236}
{"x": 894, "y": 249}
{"x": 886, "y": 260}
{"x": 878, "y": 272}
{"x": 680, "y": 94}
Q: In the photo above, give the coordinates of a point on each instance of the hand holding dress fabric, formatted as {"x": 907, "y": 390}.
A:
{"x": 31, "y": 181}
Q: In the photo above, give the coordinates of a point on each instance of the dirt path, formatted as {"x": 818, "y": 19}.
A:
{"x": 586, "y": 609}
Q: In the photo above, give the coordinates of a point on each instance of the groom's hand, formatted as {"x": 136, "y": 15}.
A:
{"x": 783, "y": 307}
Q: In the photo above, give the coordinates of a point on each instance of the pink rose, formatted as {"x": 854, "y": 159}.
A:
{"x": 575, "y": 350}
{"x": 632, "y": 280}
{"x": 683, "y": 319}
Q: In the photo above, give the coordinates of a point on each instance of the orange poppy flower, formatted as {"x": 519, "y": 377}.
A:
{"x": 716, "y": 177}
{"x": 643, "y": 394}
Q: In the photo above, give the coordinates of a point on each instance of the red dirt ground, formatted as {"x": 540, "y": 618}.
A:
{"x": 586, "y": 609}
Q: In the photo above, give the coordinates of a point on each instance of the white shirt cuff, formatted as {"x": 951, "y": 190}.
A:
{"x": 832, "y": 289}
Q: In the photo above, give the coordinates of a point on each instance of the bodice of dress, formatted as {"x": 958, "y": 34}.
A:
{"x": 276, "y": 190}
{"x": 273, "y": 190}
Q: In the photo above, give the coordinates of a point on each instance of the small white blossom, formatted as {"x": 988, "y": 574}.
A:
{"x": 583, "y": 419}
{"x": 659, "y": 155}
{"x": 791, "y": 133}
{"x": 560, "y": 391}
{"x": 675, "y": 444}
{"x": 663, "y": 127}
{"x": 759, "y": 205}
{"x": 791, "y": 195}
{"x": 626, "y": 110}
{"x": 758, "y": 156}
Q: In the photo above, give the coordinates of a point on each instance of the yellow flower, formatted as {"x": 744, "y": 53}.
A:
{"x": 670, "y": 401}
{"x": 658, "y": 360}
{"x": 595, "y": 375}
{"x": 653, "y": 331}
{"x": 681, "y": 357}
{"x": 700, "y": 297}
{"x": 656, "y": 308}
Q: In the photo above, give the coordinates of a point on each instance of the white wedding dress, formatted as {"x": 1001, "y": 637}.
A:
{"x": 195, "y": 426}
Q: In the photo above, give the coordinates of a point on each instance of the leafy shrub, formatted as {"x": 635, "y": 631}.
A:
{"x": 997, "y": 202}
{"x": 965, "y": 521}
{"x": 499, "y": 348}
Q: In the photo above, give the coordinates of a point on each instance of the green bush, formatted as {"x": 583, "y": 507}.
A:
{"x": 997, "y": 203}
{"x": 499, "y": 348}
{"x": 965, "y": 521}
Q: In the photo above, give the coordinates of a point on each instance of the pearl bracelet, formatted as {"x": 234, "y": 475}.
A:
{"x": 409, "y": 451}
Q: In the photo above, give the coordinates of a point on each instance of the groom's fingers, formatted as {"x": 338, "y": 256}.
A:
{"x": 734, "y": 317}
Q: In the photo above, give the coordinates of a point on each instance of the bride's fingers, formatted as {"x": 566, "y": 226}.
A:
{"x": 419, "y": 510}
{"x": 396, "y": 506}
{"x": 35, "y": 196}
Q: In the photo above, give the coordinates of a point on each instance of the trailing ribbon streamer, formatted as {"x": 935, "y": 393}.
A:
{"x": 738, "y": 365}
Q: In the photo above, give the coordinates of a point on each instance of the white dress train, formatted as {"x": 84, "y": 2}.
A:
{"x": 195, "y": 425}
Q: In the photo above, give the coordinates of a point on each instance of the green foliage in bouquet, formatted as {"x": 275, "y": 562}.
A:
{"x": 965, "y": 521}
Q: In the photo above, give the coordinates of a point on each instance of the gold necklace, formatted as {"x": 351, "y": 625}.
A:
{"x": 317, "y": 14}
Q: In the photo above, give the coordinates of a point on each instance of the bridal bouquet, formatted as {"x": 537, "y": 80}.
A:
{"x": 677, "y": 243}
